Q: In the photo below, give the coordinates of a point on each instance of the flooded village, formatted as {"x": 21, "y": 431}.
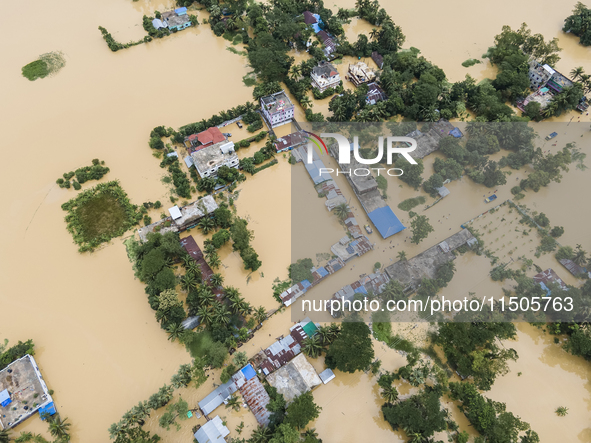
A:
{"x": 101, "y": 339}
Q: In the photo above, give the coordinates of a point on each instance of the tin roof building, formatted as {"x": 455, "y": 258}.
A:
{"x": 213, "y": 431}
{"x": 295, "y": 378}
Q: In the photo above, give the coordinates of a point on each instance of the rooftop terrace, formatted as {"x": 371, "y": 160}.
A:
{"x": 27, "y": 392}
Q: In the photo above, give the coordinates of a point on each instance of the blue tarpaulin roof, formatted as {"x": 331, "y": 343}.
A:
{"x": 306, "y": 284}
{"x": 316, "y": 28}
{"x": 455, "y": 132}
{"x": 5, "y": 398}
{"x": 48, "y": 409}
{"x": 248, "y": 372}
{"x": 323, "y": 272}
{"x": 181, "y": 11}
{"x": 386, "y": 221}
{"x": 360, "y": 290}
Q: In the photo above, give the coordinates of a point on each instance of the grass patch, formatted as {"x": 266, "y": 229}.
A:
{"x": 235, "y": 51}
{"x": 45, "y": 65}
{"x": 249, "y": 79}
{"x": 471, "y": 62}
{"x": 199, "y": 346}
{"x": 99, "y": 214}
{"x": 237, "y": 39}
{"x": 410, "y": 203}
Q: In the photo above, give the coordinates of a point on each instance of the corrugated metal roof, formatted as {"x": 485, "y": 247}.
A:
{"x": 257, "y": 399}
{"x": 386, "y": 221}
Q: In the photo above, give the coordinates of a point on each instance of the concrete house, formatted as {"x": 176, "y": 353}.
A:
{"x": 176, "y": 20}
{"x": 208, "y": 160}
{"x": 325, "y": 76}
{"x": 360, "y": 73}
{"x": 277, "y": 108}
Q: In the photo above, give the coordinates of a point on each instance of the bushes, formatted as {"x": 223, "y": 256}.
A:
{"x": 215, "y": 120}
{"x": 94, "y": 172}
{"x": 45, "y": 65}
{"x": 15, "y": 352}
{"x": 255, "y": 126}
{"x": 115, "y": 45}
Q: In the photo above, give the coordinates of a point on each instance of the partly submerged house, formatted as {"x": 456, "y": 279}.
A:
{"x": 213, "y": 431}
{"x": 205, "y": 138}
{"x": 290, "y": 141}
{"x": 329, "y": 44}
{"x": 547, "y": 278}
{"x": 277, "y": 108}
{"x": 374, "y": 94}
{"x": 378, "y": 59}
{"x": 176, "y": 20}
{"x": 360, "y": 73}
{"x": 295, "y": 378}
{"x": 325, "y": 76}
{"x": 208, "y": 160}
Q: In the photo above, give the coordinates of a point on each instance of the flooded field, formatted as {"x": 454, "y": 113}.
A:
{"x": 98, "y": 344}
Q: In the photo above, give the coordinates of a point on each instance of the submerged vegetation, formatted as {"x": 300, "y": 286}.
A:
{"x": 46, "y": 64}
{"x": 94, "y": 172}
{"x": 99, "y": 214}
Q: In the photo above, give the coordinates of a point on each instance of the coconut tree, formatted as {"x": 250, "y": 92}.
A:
{"x": 260, "y": 314}
{"x": 342, "y": 211}
{"x": 374, "y": 34}
{"x": 214, "y": 261}
{"x": 205, "y": 296}
{"x": 209, "y": 248}
{"x": 310, "y": 433}
{"x": 244, "y": 308}
{"x": 401, "y": 256}
{"x": 312, "y": 347}
{"x": 233, "y": 402}
{"x": 206, "y": 225}
{"x": 59, "y": 428}
{"x": 295, "y": 71}
{"x": 216, "y": 280}
{"x": 4, "y": 436}
{"x": 205, "y": 315}
{"x": 261, "y": 434}
{"x": 175, "y": 330}
{"x": 325, "y": 334}
{"x": 390, "y": 394}
{"x": 577, "y": 72}
{"x": 188, "y": 282}
{"x": 305, "y": 102}
{"x": 561, "y": 411}
{"x": 580, "y": 257}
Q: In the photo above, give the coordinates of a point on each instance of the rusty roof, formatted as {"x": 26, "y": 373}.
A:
{"x": 257, "y": 399}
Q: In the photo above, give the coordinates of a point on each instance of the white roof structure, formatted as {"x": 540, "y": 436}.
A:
{"x": 549, "y": 69}
{"x": 175, "y": 212}
{"x": 213, "y": 431}
{"x": 326, "y": 375}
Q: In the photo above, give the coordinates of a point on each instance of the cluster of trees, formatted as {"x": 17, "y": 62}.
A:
{"x": 301, "y": 270}
{"x": 180, "y": 181}
{"x": 579, "y": 23}
{"x": 241, "y": 237}
{"x": 94, "y": 172}
{"x": 15, "y": 352}
{"x": 352, "y": 350}
{"x": 472, "y": 348}
{"x": 490, "y": 418}
{"x": 129, "y": 428}
{"x": 420, "y": 227}
{"x": 249, "y": 164}
{"x": 314, "y": 346}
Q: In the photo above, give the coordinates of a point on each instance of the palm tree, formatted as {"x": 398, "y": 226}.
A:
{"x": 59, "y": 428}
{"x": 214, "y": 261}
{"x": 205, "y": 315}
{"x": 577, "y": 72}
{"x": 260, "y": 314}
{"x": 175, "y": 331}
{"x": 206, "y": 224}
{"x": 4, "y": 437}
{"x": 561, "y": 411}
{"x": 244, "y": 308}
{"x": 390, "y": 394}
{"x": 580, "y": 256}
{"x": 310, "y": 433}
{"x": 312, "y": 347}
{"x": 188, "y": 282}
{"x": 231, "y": 293}
{"x": 216, "y": 280}
{"x": 233, "y": 403}
{"x": 205, "y": 296}
{"x": 342, "y": 211}
{"x": 261, "y": 434}
{"x": 325, "y": 334}
{"x": 374, "y": 34}
{"x": 209, "y": 249}
{"x": 402, "y": 256}
{"x": 305, "y": 102}
{"x": 295, "y": 72}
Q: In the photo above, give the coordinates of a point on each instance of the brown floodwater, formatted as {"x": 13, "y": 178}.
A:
{"x": 98, "y": 344}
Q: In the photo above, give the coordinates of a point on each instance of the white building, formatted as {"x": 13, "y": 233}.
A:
{"x": 325, "y": 76}
{"x": 209, "y": 159}
{"x": 539, "y": 74}
{"x": 278, "y": 108}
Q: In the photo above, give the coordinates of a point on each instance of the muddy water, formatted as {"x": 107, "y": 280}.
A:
{"x": 98, "y": 344}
